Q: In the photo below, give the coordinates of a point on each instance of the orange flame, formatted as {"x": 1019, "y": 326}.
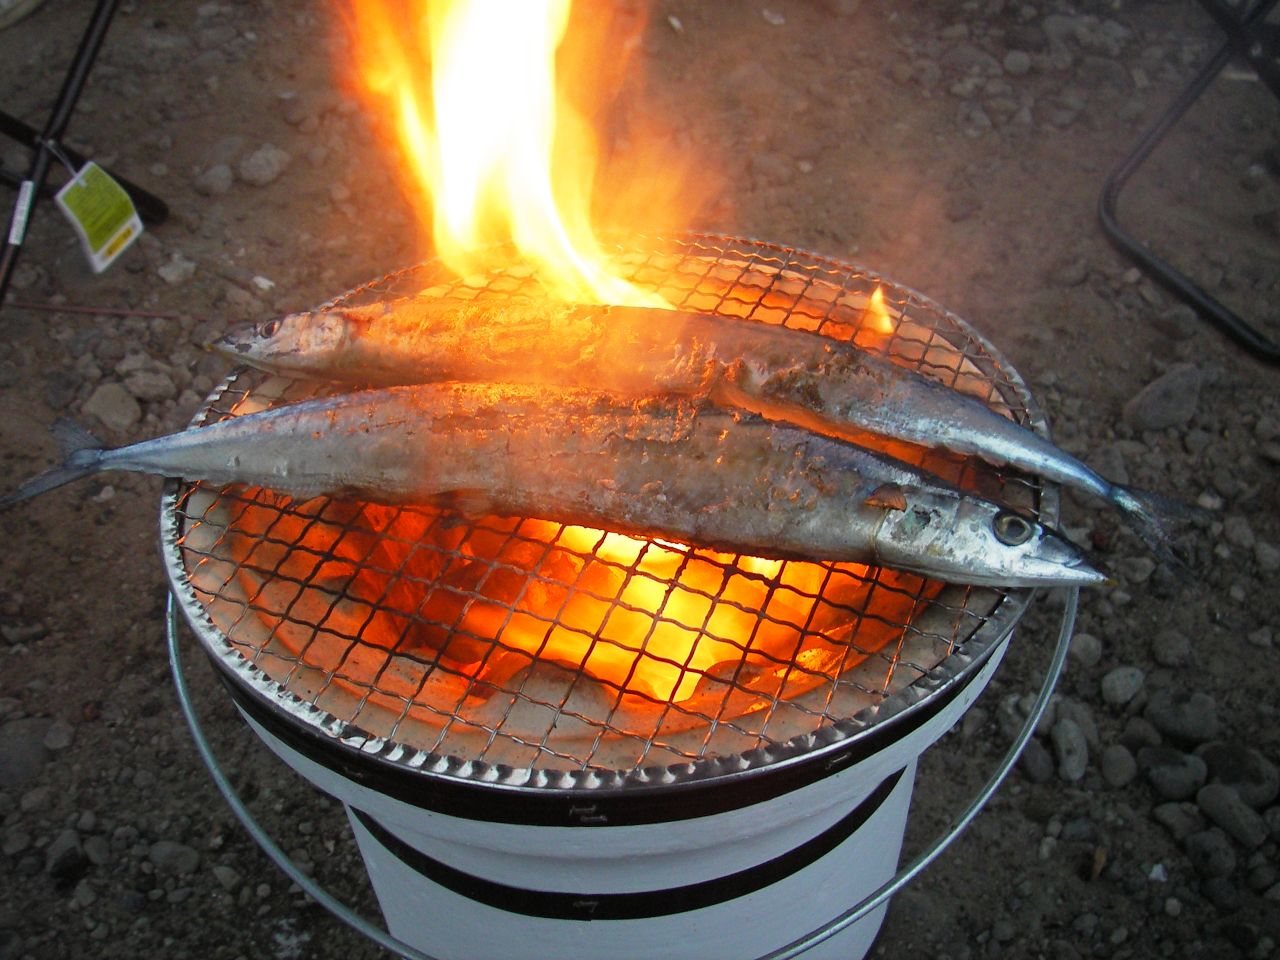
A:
{"x": 494, "y": 150}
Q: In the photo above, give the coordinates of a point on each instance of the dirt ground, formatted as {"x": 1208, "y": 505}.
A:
{"x": 957, "y": 148}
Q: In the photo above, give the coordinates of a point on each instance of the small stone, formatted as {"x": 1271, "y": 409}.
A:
{"x": 1121, "y": 685}
{"x": 22, "y": 750}
{"x": 151, "y": 385}
{"x": 1139, "y": 733}
{"x": 214, "y": 181}
{"x": 1036, "y": 762}
{"x": 1222, "y": 893}
{"x": 114, "y": 406}
{"x": 264, "y": 165}
{"x": 59, "y": 735}
{"x": 15, "y": 842}
{"x": 1171, "y": 649}
{"x": 1237, "y": 532}
{"x": 1210, "y": 853}
{"x": 1168, "y": 401}
{"x": 1118, "y": 766}
{"x": 1174, "y": 775}
{"x": 227, "y": 877}
{"x": 96, "y": 850}
{"x": 172, "y": 858}
{"x": 1266, "y": 556}
{"x": 177, "y": 269}
{"x": 1086, "y": 648}
{"x": 1070, "y": 749}
{"x": 1262, "y": 637}
{"x": 1255, "y": 778}
{"x": 64, "y": 858}
{"x": 1191, "y": 717}
{"x": 1222, "y": 805}
{"x": 1070, "y": 273}
{"x": 1016, "y": 63}
{"x": 1137, "y": 569}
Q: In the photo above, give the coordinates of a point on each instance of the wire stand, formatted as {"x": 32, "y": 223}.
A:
{"x": 855, "y": 913}
{"x": 1246, "y": 37}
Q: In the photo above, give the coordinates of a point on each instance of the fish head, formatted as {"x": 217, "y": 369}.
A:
{"x": 299, "y": 343}
{"x": 965, "y": 539}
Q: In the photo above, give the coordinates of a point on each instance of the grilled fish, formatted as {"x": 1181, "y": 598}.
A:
{"x": 669, "y": 467}
{"x": 829, "y": 386}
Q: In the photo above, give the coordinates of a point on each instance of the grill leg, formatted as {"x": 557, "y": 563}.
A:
{"x": 1243, "y": 39}
{"x": 30, "y": 188}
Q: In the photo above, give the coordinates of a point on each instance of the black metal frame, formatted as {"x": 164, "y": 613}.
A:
{"x": 46, "y": 142}
{"x": 1249, "y": 37}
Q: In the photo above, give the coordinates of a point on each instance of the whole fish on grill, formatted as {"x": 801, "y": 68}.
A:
{"x": 830, "y": 386}
{"x": 669, "y": 467}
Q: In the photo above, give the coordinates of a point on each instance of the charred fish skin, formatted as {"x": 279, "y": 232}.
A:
{"x": 669, "y": 467}
{"x": 794, "y": 376}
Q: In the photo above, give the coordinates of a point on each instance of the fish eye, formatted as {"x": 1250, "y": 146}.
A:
{"x": 269, "y": 328}
{"x": 1012, "y": 528}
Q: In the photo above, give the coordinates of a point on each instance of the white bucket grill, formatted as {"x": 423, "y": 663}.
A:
{"x": 386, "y": 653}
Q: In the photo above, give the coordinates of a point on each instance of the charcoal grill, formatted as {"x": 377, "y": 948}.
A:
{"x": 525, "y": 752}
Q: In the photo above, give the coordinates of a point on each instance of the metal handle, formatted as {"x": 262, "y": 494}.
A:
{"x": 796, "y": 947}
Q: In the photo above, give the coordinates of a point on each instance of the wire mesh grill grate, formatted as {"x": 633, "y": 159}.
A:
{"x": 520, "y": 649}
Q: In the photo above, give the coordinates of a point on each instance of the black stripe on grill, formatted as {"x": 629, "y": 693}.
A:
{"x": 637, "y": 905}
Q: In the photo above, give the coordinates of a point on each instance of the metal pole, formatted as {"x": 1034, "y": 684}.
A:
{"x": 72, "y": 85}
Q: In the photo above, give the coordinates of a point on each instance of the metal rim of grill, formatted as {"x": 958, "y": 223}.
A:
{"x": 278, "y": 593}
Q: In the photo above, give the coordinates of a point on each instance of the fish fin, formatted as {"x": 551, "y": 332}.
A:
{"x": 888, "y": 496}
{"x": 466, "y": 500}
{"x": 81, "y": 451}
{"x": 1150, "y": 515}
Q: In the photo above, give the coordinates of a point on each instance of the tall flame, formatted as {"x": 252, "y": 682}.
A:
{"x": 492, "y": 146}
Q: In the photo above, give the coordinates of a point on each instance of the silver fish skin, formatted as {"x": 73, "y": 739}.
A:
{"x": 669, "y": 467}
{"x": 829, "y": 386}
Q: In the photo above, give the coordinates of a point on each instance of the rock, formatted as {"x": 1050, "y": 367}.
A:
{"x": 1086, "y": 648}
{"x": 1136, "y": 569}
{"x": 1223, "y": 894}
{"x": 1181, "y": 819}
{"x": 96, "y": 850}
{"x": 263, "y": 166}
{"x": 64, "y": 858}
{"x": 214, "y": 180}
{"x": 1139, "y": 733}
{"x": 1121, "y": 685}
{"x": 177, "y": 269}
{"x": 114, "y": 406}
{"x": 151, "y": 385}
{"x": 59, "y": 735}
{"x": 172, "y": 858}
{"x": 1016, "y": 63}
{"x": 1070, "y": 749}
{"x": 1223, "y": 806}
{"x": 1210, "y": 853}
{"x": 1255, "y": 778}
{"x": 1267, "y": 557}
{"x": 1168, "y": 401}
{"x": 22, "y": 751}
{"x": 1174, "y": 775}
{"x": 1171, "y": 648}
{"x": 970, "y": 60}
{"x": 227, "y": 877}
{"x": 1118, "y": 766}
{"x": 1190, "y": 717}
{"x": 1237, "y": 532}
{"x": 1036, "y": 762}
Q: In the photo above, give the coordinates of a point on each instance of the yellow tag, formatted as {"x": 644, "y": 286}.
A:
{"x": 102, "y": 214}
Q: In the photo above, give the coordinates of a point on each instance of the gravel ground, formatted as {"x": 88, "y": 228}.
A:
{"x": 958, "y": 149}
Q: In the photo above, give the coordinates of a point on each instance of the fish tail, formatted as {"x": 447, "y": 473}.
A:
{"x": 1150, "y": 515}
{"x": 82, "y": 453}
